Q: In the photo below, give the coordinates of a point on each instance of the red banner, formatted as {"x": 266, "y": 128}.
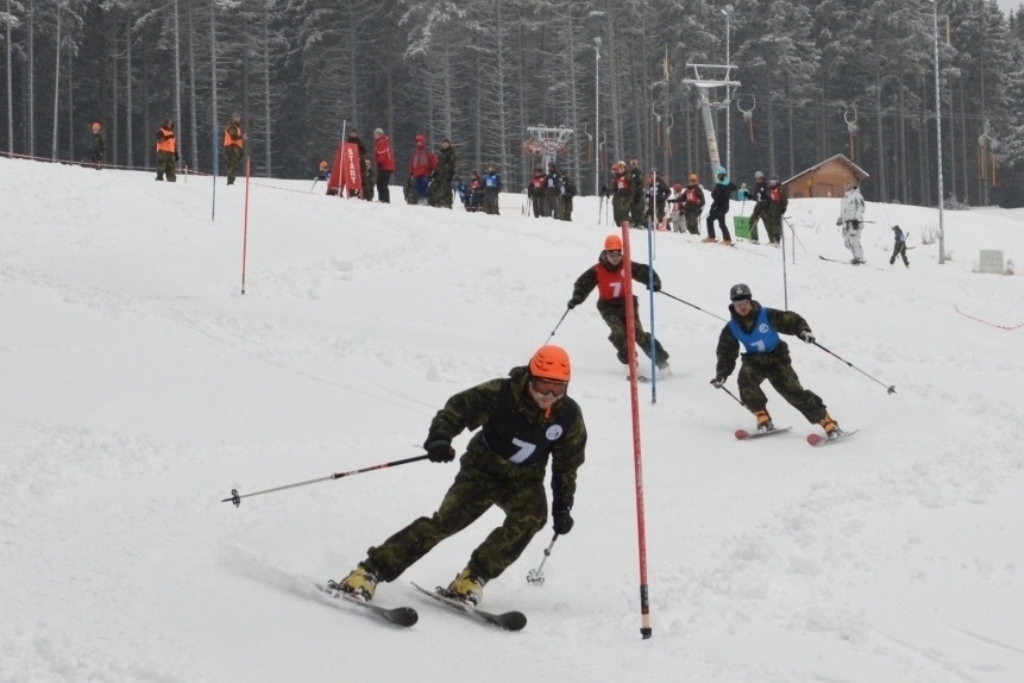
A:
{"x": 347, "y": 172}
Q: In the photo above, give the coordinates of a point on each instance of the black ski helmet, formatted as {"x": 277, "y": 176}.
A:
{"x": 740, "y": 292}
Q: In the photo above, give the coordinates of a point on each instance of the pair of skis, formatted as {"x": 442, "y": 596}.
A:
{"x": 812, "y": 439}
{"x": 407, "y": 616}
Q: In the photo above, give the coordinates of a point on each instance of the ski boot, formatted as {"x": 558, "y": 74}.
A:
{"x": 831, "y": 427}
{"x": 467, "y": 587}
{"x": 709, "y": 240}
{"x": 361, "y": 583}
{"x": 726, "y": 243}
{"x": 764, "y": 421}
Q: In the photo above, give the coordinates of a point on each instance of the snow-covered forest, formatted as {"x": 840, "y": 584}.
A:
{"x": 481, "y": 71}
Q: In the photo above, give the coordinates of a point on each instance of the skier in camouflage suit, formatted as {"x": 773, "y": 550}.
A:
{"x": 609, "y": 278}
{"x": 441, "y": 186}
{"x": 766, "y": 358}
{"x": 525, "y": 418}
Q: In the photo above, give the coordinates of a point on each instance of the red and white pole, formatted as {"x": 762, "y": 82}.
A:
{"x": 634, "y": 400}
{"x": 245, "y": 223}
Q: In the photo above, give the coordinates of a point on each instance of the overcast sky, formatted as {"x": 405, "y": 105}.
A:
{"x": 1008, "y": 5}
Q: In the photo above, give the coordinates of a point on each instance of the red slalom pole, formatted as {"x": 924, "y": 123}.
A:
{"x": 245, "y": 224}
{"x": 634, "y": 399}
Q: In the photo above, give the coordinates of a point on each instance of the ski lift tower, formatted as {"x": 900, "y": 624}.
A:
{"x": 706, "y": 77}
{"x": 547, "y": 143}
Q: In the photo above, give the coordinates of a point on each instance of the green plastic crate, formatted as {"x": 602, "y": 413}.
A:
{"x": 741, "y": 225}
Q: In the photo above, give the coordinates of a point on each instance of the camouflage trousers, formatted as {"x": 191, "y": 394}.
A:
{"x": 566, "y": 209}
{"x": 692, "y": 221}
{"x": 757, "y": 214}
{"x": 233, "y": 157}
{"x": 491, "y": 202}
{"x": 165, "y": 165}
{"x": 785, "y": 381}
{"x": 773, "y": 223}
{"x": 552, "y": 206}
{"x": 474, "y": 491}
{"x": 440, "y": 192}
{"x": 616, "y": 320}
{"x": 621, "y": 204}
{"x": 638, "y": 210}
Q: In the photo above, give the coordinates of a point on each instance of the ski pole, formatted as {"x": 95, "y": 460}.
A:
{"x": 536, "y": 576}
{"x": 733, "y": 396}
{"x": 891, "y": 389}
{"x": 662, "y": 291}
{"x": 314, "y": 184}
{"x": 567, "y": 309}
{"x": 236, "y": 498}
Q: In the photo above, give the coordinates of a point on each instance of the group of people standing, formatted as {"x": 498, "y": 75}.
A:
{"x": 551, "y": 193}
{"x": 167, "y": 155}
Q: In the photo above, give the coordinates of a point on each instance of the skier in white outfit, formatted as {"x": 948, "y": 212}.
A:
{"x": 851, "y": 218}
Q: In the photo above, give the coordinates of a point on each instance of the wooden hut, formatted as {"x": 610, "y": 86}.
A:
{"x": 826, "y": 179}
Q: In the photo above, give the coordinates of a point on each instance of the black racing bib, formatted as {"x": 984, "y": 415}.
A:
{"x": 514, "y": 438}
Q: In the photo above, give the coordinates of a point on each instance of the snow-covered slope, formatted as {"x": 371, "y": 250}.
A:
{"x": 138, "y": 386}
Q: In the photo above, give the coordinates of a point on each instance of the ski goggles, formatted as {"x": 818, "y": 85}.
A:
{"x": 549, "y": 387}
{"x": 614, "y": 254}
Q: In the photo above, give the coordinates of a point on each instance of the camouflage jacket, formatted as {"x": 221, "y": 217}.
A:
{"x": 636, "y": 183}
{"x": 472, "y": 408}
{"x": 586, "y": 282}
{"x": 784, "y": 322}
{"x": 446, "y": 164}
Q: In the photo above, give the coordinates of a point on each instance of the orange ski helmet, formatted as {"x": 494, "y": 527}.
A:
{"x": 613, "y": 243}
{"x": 550, "y": 362}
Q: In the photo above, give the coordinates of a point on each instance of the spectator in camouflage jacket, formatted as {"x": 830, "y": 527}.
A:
{"x": 441, "y": 185}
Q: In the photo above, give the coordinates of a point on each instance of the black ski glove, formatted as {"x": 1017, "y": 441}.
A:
{"x": 439, "y": 449}
{"x": 572, "y": 303}
{"x": 718, "y": 382}
{"x": 656, "y": 287}
{"x": 562, "y": 519}
{"x": 807, "y": 336}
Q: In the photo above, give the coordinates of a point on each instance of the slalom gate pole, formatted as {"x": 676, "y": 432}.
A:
{"x": 245, "y": 223}
{"x": 536, "y": 576}
{"x": 650, "y": 303}
{"x": 236, "y": 497}
{"x": 559, "y": 324}
{"x": 890, "y": 389}
{"x": 213, "y": 210}
{"x": 785, "y": 282}
{"x": 645, "y": 605}
{"x": 682, "y": 301}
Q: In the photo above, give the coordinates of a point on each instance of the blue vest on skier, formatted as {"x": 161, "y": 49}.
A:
{"x": 492, "y": 180}
{"x": 762, "y": 339}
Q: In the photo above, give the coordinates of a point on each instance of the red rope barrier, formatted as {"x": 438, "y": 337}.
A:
{"x": 985, "y": 322}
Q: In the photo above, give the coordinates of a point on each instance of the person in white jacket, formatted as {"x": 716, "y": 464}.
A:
{"x": 851, "y": 218}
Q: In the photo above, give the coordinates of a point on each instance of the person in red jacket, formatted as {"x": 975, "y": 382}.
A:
{"x": 385, "y": 159}
{"x": 421, "y": 167}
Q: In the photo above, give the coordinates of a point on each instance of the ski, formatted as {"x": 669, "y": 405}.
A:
{"x": 744, "y": 435}
{"x": 818, "y": 439}
{"x": 399, "y": 616}
{"x": 832, "y": 260}
{"x": 509, "y": 621}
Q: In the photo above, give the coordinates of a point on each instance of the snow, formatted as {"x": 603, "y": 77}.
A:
{"x": 138, "y": 386}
